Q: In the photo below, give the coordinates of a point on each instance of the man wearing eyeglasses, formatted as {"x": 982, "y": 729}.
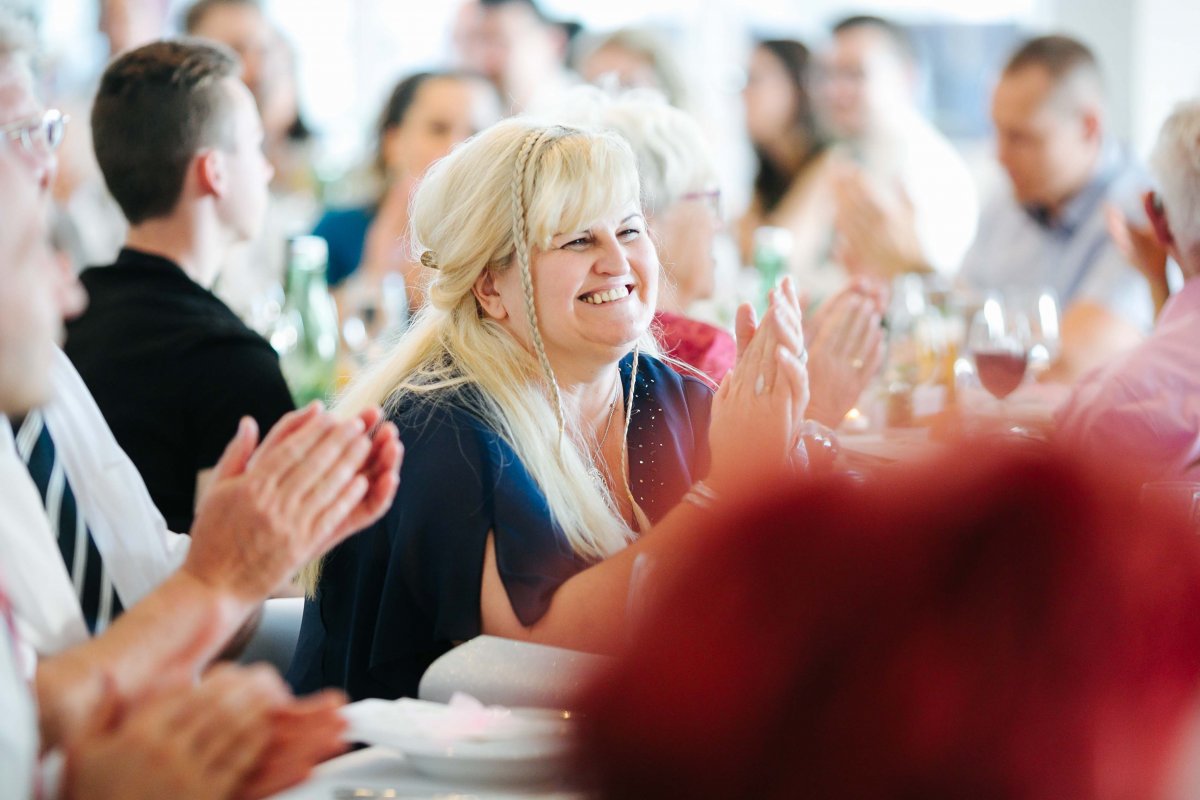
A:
{"x": 271, "y": 509}
{"x": 39, "y": 135}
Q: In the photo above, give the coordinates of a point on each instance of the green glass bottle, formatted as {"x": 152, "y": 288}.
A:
{"x": 306, "y": 335}
{"x": 772, "y": 248}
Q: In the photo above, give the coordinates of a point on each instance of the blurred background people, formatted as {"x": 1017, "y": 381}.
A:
{"x": 173, "y": 370}
{"x": 903, "y": 198}
{"x": 1144, "y": 407}
{"x": 793, "y": 177}
{"x": 466, "y": 37}
{"x": 268, "y": 70}
{"x": 523, "y": 52}
{"x": 1002, "y": 623}
{"x": 127, "y": 24}
{"x": 1050, "y": 229}
{"x": 251, "y": 280}
{"x": 425, "y": 116}
{"x": 90, "y": 224}
{"x": 632, "y": 58}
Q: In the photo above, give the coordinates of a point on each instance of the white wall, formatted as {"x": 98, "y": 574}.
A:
{"x": 1166, "y": 65}
{"x": 1150, "y": 50}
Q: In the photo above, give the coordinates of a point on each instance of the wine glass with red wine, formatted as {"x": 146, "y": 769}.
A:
{"x": 999, "y": 341}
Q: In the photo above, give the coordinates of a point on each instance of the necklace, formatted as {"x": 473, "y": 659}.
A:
{"x": 597, "y": 452}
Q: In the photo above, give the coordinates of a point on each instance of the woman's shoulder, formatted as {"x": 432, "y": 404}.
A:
{"x": 661, "y": 376}
{"x": 344, "y": 220}
{"x": 439, "y": 413}
{"x": 673, "y": 391}
{"x": 453, "y": 462}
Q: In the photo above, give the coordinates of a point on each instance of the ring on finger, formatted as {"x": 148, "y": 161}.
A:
{"x": 802, "y": 356}
{"x": 760, "y": 385}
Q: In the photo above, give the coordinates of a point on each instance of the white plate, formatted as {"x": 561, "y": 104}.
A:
{"x": 518, "y": 745}
{"x": 514, "y": 761}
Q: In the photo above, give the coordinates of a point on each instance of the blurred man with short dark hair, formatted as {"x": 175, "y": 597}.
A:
{"x": 1052, "y": 139}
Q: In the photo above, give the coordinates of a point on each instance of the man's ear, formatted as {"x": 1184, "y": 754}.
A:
{"x": 1158, "y": 218}
{"x": 488, "y": 297}
{"x": 209, "y": 166}
{"x": 1093, "y": 125}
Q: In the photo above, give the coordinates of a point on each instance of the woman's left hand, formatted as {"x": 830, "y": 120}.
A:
{"x": 847, "y": 349}
{"x": 759, "y": 409}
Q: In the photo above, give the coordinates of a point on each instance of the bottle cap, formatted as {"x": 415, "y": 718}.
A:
{"x": 308, "y": 252}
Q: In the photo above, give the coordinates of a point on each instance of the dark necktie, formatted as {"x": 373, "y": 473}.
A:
{"x": 93, "y": 585}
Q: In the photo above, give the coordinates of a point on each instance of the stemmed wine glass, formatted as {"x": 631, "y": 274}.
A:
{"x": 999, "y": 341}
{"x": 1039, "y": 305}
{"x": 374, "y": 314}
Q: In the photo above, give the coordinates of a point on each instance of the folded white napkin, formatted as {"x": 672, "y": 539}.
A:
{"x": 463, "y": 720}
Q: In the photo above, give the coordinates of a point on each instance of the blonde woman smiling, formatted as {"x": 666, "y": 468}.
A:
{"x": 546, "y": 445}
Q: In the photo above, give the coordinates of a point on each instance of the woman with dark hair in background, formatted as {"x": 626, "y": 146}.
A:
{"x": 791, "y": 153}
{"x": 425, "y": 115}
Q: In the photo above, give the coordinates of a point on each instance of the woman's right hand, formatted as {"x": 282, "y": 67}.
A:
{"x": 758, "y": 411}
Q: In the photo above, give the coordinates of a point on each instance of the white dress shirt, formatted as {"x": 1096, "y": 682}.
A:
{"x": 906, "y": 156}
{"x": 919, "y": 159}
{"x": 138, "y": 550}
{"x": 18, "y": 733}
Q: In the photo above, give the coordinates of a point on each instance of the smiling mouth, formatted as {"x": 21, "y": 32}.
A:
{"x": 607, "y": 296}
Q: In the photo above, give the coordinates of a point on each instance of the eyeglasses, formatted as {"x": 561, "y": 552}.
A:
{"x": 710, "y": 196}
{"x": 38, "y": 136}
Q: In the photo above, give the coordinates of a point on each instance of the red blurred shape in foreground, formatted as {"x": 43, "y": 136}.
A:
{"x": 1001, "y": 623}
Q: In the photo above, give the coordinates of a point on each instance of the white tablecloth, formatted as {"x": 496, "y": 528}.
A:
{"x": 505, "y": 672}
{"x": 380, "y": 768}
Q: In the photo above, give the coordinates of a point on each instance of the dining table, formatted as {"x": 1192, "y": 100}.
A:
{"x": 375, "y": 773}
{"x": 495, "y": 683}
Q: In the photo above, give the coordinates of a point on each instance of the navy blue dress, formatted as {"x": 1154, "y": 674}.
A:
{"x": 345, "y": 231}
{"x": 401, "y": 593}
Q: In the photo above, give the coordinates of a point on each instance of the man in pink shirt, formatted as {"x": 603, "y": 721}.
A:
{"x": 1145, "y": 406}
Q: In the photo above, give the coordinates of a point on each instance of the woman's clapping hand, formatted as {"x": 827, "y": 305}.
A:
{"x": 846, "y": 346}
{"x": 759, "y": 409}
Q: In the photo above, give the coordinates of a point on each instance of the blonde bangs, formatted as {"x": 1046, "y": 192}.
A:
{"x": 601, "y": 161}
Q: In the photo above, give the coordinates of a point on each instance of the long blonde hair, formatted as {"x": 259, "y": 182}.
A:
{"x": 510, "y": 188}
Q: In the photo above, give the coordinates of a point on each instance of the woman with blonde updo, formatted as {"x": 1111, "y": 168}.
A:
{"x": 544, "y": 440}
